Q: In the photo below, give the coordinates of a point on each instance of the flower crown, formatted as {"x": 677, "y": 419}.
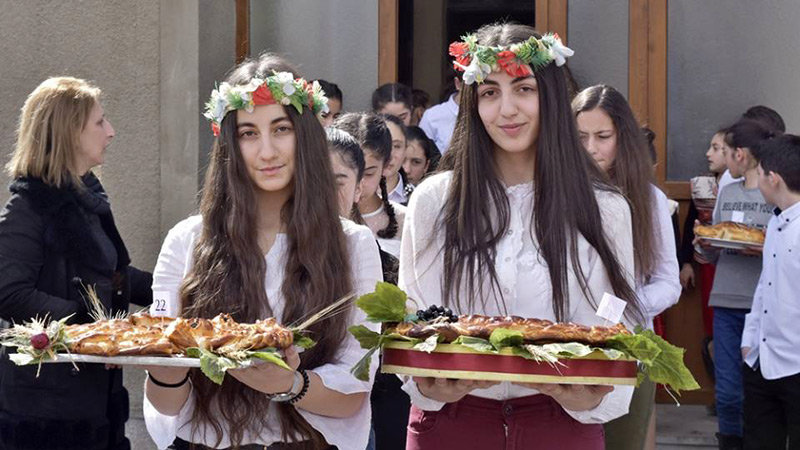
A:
{"x": 518, "y": 60}
{"x": 281, "y": 88}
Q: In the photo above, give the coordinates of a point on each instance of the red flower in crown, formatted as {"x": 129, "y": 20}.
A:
{"x": 310, "y": 100}
{"x": 263, "y": 96}
{"x": 459, "y": 50}
{"x": 215, "y": 128}
{"x": 507, "y": 60}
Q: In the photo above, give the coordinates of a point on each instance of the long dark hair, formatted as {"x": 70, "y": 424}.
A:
{"x": 373, "y": 134}
{"x": 346, "y": 146}
{"x": 751, "y": 135}
{"x": 428, "y": 146}
{"x": 407, "y": 186}
{"x": 392, "y": 92}
{"x": 632, "y": 170}
{"x": 229, "y": 268}
{"x": 476, "y": 213}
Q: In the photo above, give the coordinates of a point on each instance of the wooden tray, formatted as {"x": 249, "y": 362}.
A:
{"x": 460, "y": 362}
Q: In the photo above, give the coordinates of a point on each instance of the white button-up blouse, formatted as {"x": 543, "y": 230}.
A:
{"x": 175, "y": 261}
{"x": 522, "y": 275}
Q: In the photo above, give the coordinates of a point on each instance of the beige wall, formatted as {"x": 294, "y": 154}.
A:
{"x": 155, "y": 62}
{"x": 336, "y": 40}
{"x": 114, "y": 43}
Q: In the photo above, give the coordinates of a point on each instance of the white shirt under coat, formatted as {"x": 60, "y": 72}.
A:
{"x": 398, "y": 194}
{"x": 770, "y": 329}
{"x": 662, "y": 288}
{"x": 439, "y": 121}
{"x": 522, "y": 274}
{"x": 174, "y": 263}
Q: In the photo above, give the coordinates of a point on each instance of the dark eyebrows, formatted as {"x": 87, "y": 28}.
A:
{"x": 518, "y": 79}
{"x": 273, "y": 122}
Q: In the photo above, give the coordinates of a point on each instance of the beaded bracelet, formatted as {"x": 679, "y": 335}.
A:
{"x": 303, "y": 391}
{"x": 168, "y": 385}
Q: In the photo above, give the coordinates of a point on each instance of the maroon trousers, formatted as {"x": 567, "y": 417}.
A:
{"x": 535, "y": 422}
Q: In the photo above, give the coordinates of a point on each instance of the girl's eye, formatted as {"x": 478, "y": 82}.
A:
{"x": 527, "y": 89}
{"x": 247, "y": 133}
{"x": 488, "y": 93}
{"x": 283, "y": 129}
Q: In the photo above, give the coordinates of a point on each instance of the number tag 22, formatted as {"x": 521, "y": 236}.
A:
{"x": 165, "y": 304}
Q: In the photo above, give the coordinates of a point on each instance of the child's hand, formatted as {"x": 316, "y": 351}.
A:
{"x": 447, "y": 390}
{"x": 699, "y": 241}
{"x": 754, "y": 250}
{"x": 574, "y": 397}
{"x": 687, "y": 276}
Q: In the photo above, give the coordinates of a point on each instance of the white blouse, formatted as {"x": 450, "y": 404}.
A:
{"x": 662, "y": 288}
{"x": 522, "y": 274}
{"x": 175, "y": 261}
{"x": 376, "y": 221}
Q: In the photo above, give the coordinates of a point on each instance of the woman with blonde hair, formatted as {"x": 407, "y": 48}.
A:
{"x": 58, "y": 237}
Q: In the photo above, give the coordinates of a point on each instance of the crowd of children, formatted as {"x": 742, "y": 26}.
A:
{"x": 476, "y": 204}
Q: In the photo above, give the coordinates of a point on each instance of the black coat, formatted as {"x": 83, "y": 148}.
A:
{"x": 48, "y": 253}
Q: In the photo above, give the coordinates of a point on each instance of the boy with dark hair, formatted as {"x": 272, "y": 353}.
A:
{"x": 770, "y": 342}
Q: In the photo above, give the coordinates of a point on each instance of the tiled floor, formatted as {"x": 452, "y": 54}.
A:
{"x": 684, "y": 427}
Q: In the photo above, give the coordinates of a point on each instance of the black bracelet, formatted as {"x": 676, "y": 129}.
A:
{"x": 167, "y": 385}
{"x": 303, "y": 391}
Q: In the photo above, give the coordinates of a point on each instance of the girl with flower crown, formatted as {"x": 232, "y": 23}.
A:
{"x": 519, "y": 221}
{"x": 268, "y": 242}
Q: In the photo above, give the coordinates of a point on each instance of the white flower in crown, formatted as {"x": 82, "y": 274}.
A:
{"x": 286, "y": 101}
{"x": 216, "y": 105}
{"x": 287, "y": 83}
{"x": 558, "y": 51}
{"x": 476, "y": 71}
{"x": 319, "y": 95}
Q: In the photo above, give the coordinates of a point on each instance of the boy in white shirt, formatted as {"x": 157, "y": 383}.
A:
{"x": 770, "y": 342}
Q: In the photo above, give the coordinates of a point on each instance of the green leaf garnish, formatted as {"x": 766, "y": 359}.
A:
{"x": 361, "y": 369}
{"x": 663, "y": 361}
{"x": 21, "y": 359}
{"x": 477, "y": 344}
{"x": 303, "y": 341}
{"x": 367, "y": 338}
{"x": 503, "y": 337}
{"x": 270, "y": 355}
{"x": 386, "y": 304}
{"x": 213, "y": 366}
{"x": 428, "y": 345}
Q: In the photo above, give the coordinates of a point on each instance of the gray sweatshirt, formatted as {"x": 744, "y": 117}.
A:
{"x": 737, "y": 275}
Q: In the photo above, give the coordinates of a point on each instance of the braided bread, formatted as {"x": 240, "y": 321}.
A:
{"x": 533, "y": 330}
{"x": 142, "y": 334}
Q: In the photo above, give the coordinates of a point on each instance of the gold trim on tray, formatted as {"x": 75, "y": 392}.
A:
{"x": 497, "y": 376}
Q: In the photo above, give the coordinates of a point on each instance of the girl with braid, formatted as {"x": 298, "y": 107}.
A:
{"x": 397, "y": 182}
{"x": 383, "y": 216}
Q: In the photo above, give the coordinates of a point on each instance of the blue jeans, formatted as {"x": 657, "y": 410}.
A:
{"x": 728, "y": 328}
{"x": 371, "y": 442}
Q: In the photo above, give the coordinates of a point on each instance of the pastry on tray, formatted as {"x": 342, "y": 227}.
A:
{"x": 731, "y": 231}
{"x": 436, "y": 342}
